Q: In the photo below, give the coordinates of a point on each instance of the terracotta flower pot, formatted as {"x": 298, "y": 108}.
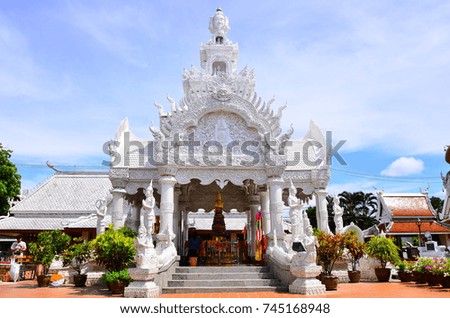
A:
{"x": 405, "y": 276}
{"x": 80, "y": 280}
{"x": 43, "y": 280}
{"x": 383, "y": 274}
{"x": 445, "y": 282}
{"x": 419, "y": 277}
{"x": 354, "y": 276}
{"x": 330, "y": 282}
{"x": 117, "y": 287}
{"x": 432, "y": 279}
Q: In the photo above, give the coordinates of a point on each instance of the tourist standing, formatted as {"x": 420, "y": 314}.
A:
{"x": 18, "y": 247}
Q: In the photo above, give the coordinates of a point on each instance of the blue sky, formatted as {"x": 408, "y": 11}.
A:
{"x": 375, "y": 73}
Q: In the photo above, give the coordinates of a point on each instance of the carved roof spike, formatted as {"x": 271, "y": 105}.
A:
{"x": 277, "y": 132}
{"x": 160, "y": 109}
{"x": 263, "y": 109}
{"x": 173, "y": 104}
{"x": 270, "y": 102}
{"x": 253, "y": 98}
{"x": 183, "y": 104}
{"x": 280, "y": 111}
{"x": 289, "y": 132}
{"x": 193, "y": 70}
{"x": 258, "y": 104}
{"x": 155, "y": 132}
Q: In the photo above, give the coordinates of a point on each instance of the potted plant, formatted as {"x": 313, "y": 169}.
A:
{"x": 114, "y": 250}
{"x": 330, "y": 248}
{"x": 420, "y": 269}
{"x": 404, "y": 272}
{"x": 445, "y": 282}
{"x": 77, "y": 256}
{"x": 385, "y": 250}
{"x": 355, "y": 251}
{"x": 436, "y": 271}
{"x": 117, "y": 280}
{"x": 47, "y": 247}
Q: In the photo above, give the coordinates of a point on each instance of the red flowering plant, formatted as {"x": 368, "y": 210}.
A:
{"x": 423, "y": 265}
{"x": 330, "y": 249}
{"x": 437, "y": 266}
{"x": 354, "y": 248}
{"x": 446, "y": 269}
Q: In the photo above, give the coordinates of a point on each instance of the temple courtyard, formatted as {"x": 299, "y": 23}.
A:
{"x": 392, "y": 289}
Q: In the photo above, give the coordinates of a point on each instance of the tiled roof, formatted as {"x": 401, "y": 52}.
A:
{"x": 51, "y": 223}
{"x": 88, "y": 222}
{"x": 66, "y": 192}
{"x": 412, "y": 228}
{"x": 412, "y": 205}
{"x": 15, "y": 223}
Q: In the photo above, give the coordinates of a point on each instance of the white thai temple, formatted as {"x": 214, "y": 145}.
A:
{"x": 220, "y": 146}
{"x": 221, "y": 136}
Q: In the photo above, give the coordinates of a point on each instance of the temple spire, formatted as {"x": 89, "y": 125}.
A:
{"x": 219, "y": 27}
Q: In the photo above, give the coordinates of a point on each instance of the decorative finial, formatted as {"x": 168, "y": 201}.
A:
{"x": 218, "y": 24}
{"x": 218, "y": 204}
{"x": 52, "y": 167}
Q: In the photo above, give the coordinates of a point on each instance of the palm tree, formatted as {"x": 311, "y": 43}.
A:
{"x": 368, "y": 210}
{"x": 437, "y": 204}
{"x": 359, "y": 208}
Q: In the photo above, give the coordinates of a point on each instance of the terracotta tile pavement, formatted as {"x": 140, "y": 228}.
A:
{"x": 393, "y": 289}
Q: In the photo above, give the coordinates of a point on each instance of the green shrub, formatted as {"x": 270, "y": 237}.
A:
{"x": 383, "y": 249}
{"x": 114, "y": 249}
{"x": 48, "y": 245}
{"x": 117, "y": 276}
{"x": 78, "y": 255}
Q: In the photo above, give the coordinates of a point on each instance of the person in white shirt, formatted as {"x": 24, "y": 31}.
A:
{"x": 18, "y": 247}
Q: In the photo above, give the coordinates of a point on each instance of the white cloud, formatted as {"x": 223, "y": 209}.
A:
{"x": 403, "y": 166}
{"x": 369, "y": 78}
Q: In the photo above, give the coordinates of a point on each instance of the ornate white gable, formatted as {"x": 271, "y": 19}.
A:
{"x": 221, "y": 114}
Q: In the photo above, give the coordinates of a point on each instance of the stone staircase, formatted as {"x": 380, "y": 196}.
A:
{"x": 208, "y": 279}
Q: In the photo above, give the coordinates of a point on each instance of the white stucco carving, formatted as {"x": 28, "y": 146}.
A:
{"x": 219, "y": 135}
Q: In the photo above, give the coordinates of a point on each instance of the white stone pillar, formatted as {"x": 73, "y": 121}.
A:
{"x": 118, "y": 195}
{"x": 276, "y": 207}
{"x": 265, "y": 208}
{"x": 135, "y": 216}
{"x": 254, "y": 205}
{"x": 185, "y": 225}
{"x": 321, "y": 210}
{"x": 176, "y": 227}
{"x": 167, "y": 183}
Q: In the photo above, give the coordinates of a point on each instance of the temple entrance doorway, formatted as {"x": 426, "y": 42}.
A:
{"x": 216, "y": 225}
